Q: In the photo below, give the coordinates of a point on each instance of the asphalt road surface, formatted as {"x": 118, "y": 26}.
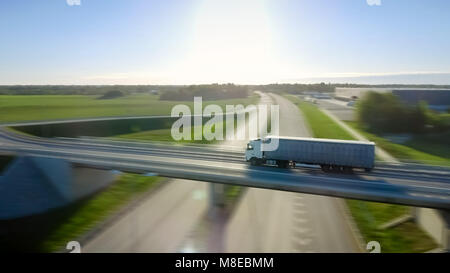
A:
{"x": 277, "y": 221}
{"x": 158, "y": 224}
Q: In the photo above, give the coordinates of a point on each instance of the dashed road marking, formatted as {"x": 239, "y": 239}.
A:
{"x": 301, "y": 230}
{"x": 301, "y": 220}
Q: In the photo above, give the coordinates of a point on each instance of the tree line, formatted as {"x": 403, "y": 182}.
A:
{"x": 295, "y": 88}
{"x": 207, "y": 92}
{"x": 80, "y": 89}
{"x": 185, "y": 90}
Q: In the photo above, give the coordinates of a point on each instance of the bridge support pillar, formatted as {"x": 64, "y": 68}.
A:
{"x": 436, "y": 223}
{"x": 216, "y": 198}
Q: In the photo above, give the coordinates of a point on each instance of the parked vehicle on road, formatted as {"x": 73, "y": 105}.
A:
{"x": 351, "y": 103}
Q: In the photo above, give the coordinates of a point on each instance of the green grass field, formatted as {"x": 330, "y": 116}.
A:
{"x": 150, "y": 135}
{"x": 369, "y": 216}
{"x": 165, "y": 135}
{"x": 53, "y": 107}
{"x": 436, "y": 145}
{"x": 161, "y": 135}
{"x": 412, "y": 151}
{"x": 404, "y": 238}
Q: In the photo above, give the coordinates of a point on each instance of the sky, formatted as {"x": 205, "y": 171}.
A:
{"x": 218, "y": 41}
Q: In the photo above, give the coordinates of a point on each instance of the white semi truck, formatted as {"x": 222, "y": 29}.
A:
{"x": 329, "y": 154}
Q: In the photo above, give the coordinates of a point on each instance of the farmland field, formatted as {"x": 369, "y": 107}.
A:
{"x": 15, "y": 108}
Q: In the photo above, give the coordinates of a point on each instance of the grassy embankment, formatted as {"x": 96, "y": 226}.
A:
{"x": 165, "y": 135}
{"x": 14, "y": 108}
{"x": 421, "y": 149}
{"x": 406, "y": 237}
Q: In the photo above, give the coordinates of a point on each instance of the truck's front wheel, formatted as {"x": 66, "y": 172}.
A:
{"x": 254, "y": 161}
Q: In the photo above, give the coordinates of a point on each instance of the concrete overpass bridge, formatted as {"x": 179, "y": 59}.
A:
{"x": 405, "y": 184}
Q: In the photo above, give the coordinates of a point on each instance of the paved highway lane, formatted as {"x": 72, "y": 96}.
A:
{"x": 277, "y": 221}
{"x": 320, "y": 220}
{"x": 160, "y": 223}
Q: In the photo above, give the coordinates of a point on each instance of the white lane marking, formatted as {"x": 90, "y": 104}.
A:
{"x": 302, "y": 230}
{"x": 301, "y": 220}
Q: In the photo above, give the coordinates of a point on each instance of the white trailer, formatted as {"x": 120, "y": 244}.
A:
{"x": 329, "y": 154}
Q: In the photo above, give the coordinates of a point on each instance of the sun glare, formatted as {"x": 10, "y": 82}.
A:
{"x": 232, "y": 42}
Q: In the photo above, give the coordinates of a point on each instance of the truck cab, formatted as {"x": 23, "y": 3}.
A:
{"x": 253, "y": 150}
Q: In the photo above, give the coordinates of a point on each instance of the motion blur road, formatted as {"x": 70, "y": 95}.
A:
{"x": 165, "y": 220}
{"x": 277, "y": 221}
{"x": 158, "y": 224}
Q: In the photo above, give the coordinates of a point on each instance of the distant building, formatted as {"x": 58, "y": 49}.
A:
{"x": 437, "y": 99}
{"x": 317, "y": 95}
{"x": 355, "y": 93}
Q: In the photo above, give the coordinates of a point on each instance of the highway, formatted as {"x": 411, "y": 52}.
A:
{"x": 160, "y": 223}
{"x": 413, "y": 185}
{"x": 279, "y": 221}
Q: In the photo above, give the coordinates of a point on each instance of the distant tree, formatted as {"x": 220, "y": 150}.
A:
{"x": 207, "y": 92}
{"x": 418, "y": 118}
{"x": 440, "y": 122}
{"x": 111, "y": 95}
{"x": 381, "y": 112}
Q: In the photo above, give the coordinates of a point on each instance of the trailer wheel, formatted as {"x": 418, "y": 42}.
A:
{"x": 333, "y": 168}
{"x": 368, "y": 170}
{"x": 282, "y": 164}
{"x": 347, "y": 169}
{"x": 325, "y": 168}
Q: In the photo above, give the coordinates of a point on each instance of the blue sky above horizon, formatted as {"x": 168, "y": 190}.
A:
{"x": 201, "y": 41}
